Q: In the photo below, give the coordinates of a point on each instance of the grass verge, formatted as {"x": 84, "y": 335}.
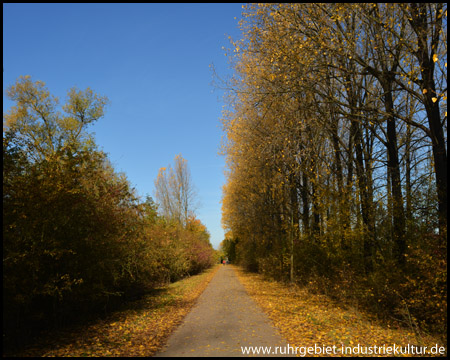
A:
{"x": 139, "y": 330}
{"x": 305, "y": 319}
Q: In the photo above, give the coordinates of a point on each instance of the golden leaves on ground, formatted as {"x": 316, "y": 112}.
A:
{"x": 305, "y": 319}
{"x": 138, "y": 331}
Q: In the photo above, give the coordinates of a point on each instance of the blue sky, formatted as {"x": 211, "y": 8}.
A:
{"x": 152, "y": 62}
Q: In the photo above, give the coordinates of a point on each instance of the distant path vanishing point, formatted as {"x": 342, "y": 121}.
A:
{"x": 224, "y": 319}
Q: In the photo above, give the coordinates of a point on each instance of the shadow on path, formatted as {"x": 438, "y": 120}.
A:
{"x": 224, "y": 319}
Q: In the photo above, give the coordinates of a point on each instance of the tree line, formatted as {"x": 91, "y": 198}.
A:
{"x": 335, "y": 142}
{"x": 77, "y": 240}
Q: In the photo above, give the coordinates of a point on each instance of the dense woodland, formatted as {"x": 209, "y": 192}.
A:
{"x": 335, "y": 136}
{"x": 77, "y": 240}
{"x": 336, "y": 147}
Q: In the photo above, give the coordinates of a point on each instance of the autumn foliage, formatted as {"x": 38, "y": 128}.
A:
{"x": 77, "y": 240}
{"x": 335, "y": 140}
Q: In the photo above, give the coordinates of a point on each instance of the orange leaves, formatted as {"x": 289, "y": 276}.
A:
{"x": 305, "y": 318}
{"x": 138, "y": 331}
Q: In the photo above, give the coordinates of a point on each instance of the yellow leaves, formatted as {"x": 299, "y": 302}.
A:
{"x": 307, "y": 318}
{"x": 138, "y": 331}
{"x": 278, "y": 48}
{"x": 37, "y": 119}
{"x": 84, "y": 105}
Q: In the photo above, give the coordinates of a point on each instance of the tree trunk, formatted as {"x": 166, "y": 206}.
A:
{"x": 398, "y": 231}
{"x": 419, "y": 23}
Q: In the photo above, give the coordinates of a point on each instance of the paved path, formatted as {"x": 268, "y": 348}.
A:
{"x": 224, "y": 319}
